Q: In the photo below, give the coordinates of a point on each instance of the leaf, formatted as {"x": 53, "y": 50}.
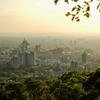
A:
{"x": 77, "y": 12}
{"x": 78, "y": 6}
{"x": 91, "y": 0}
{"x": 78, "y": 20}
{"x": 73, "y": 18}
{"x": 86, "y": 3}
{"x": 87, "y": 14}
{"x": 56, "y": 1}
{"x": 73, "y": 15}
{"x": 73, "y": 8}
{"x": 88, "y": 8}
{"x": 98, "y": 6}
{"x": 68, "y": 13}
{"x": 66, "y": 1}
{"x": 75, "y": 0}
{"x": 78, "y": 9}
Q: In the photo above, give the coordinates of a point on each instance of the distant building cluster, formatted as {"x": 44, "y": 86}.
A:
{"x": 25, "y": 56}
{"x": 21, "y": 56}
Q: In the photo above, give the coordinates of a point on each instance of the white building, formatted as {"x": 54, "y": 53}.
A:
{"x": 24, "y": 57}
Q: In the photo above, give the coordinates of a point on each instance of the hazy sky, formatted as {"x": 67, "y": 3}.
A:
{"x": 43, "y": 18}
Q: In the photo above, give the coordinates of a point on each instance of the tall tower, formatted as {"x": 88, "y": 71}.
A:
{"x": 36, "y": 54}
{"x": 37, "y": 48}
{"x": 24, "y": 46}
{"x": 84, "y": 58}
{"x": 26, "y": 57}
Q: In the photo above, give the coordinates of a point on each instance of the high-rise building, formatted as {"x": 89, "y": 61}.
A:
{"x": 24, "y": 46}
{"x": 84, "y": 58}
{"x": 37, "y": 48}
{"x": 24, "y": 56}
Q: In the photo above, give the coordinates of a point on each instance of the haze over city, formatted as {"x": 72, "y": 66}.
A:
{"x": 43, "y": 18}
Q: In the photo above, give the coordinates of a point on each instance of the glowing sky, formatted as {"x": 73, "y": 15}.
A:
{"x": 43, "y": 18}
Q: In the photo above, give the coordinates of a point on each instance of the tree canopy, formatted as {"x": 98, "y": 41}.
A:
{"x": 81, "y": 85}
{"x": 81, "y": 7}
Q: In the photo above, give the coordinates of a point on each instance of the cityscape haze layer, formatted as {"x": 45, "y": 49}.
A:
{"x": 52, "y": 42}
{"x": 54, "y": 55}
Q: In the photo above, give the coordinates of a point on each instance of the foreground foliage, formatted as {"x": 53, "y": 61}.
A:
{"x": 81, "y": 8}
{"x": 71, "y": 86}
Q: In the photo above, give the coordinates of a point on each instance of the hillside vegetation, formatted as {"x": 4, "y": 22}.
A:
{"x": 71, "y": 86}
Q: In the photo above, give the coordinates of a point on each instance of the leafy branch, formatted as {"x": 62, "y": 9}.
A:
{"x": 79, "y": 9}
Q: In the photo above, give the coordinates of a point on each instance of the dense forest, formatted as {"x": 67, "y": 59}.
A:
{"x": 72, "y": 86}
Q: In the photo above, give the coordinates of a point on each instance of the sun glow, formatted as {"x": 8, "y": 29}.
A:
{"x": 42, "y": 17}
